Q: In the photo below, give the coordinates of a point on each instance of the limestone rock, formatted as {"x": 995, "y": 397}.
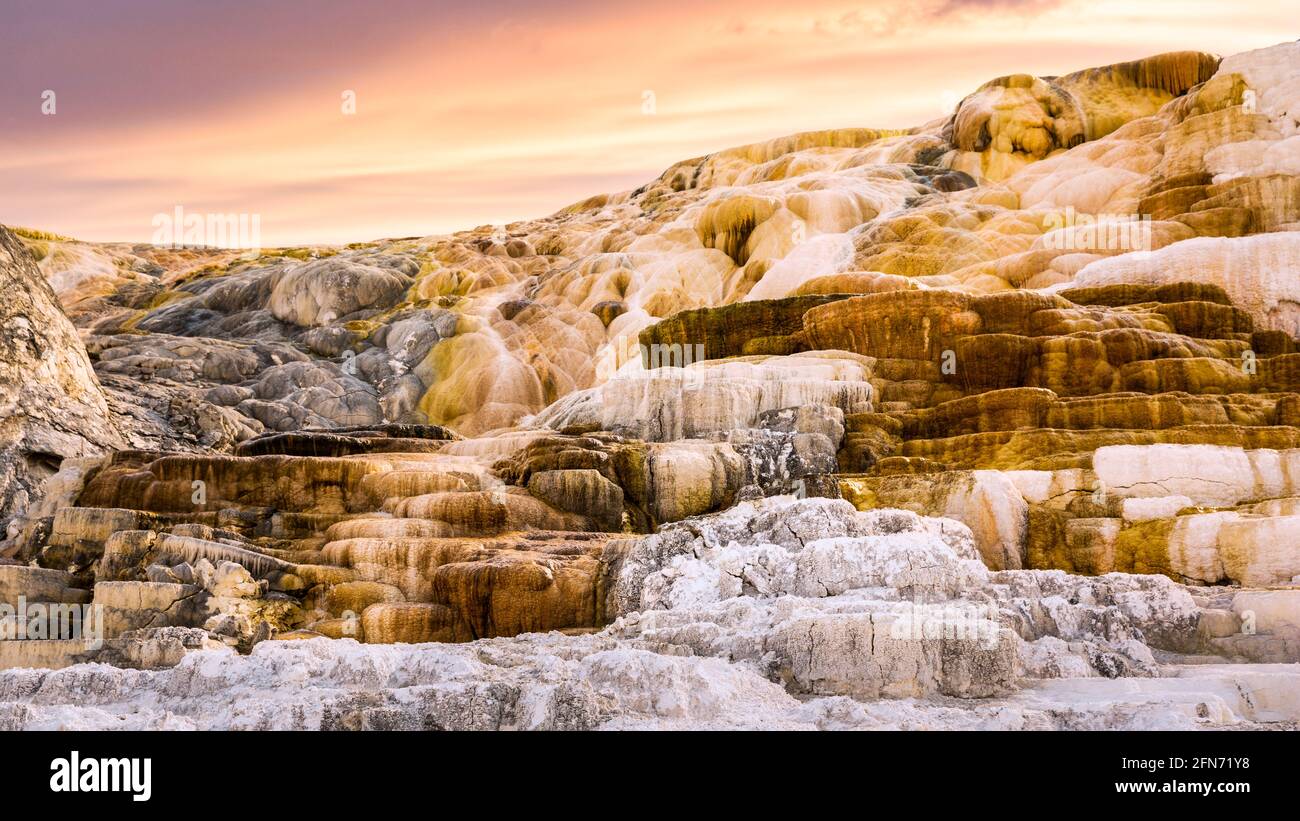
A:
{"x": 1254, "y": 271}
{"x": 667, "y": 404}
{"x": 51, "y": 405}
{"x": 580, "y": 491}
{"x": 325, "y": 290}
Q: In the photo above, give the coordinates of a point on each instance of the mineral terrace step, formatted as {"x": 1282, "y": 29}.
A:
{"x": 146, "y": 650}
{"x": 1219, "y": 695}
{"x": 1274, "y": 611}
{"x": 52, "y": 654}
{"x": 38, "y": 584}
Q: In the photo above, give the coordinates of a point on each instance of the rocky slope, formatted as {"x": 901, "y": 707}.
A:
{"x": 987, "y": 423}
{"x": 51, "y": 405}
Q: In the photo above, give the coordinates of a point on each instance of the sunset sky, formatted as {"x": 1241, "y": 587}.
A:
{"x": 495, "y": 110}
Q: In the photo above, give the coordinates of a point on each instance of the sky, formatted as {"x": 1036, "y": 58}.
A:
{"x": 484, "y": 112}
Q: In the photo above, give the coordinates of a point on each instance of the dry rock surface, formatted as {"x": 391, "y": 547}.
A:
{"x": 991, "y": 423}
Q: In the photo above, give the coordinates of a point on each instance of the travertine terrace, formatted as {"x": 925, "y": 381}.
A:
{"x": 989, "y": 423}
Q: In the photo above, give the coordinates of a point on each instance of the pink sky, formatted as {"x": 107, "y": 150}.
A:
{"x": 480, "y": 113}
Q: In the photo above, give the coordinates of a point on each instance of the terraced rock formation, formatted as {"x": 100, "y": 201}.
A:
{"x": 991, "y": 422}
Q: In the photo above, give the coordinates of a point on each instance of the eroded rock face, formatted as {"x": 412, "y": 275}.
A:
{"x": 988, "y": 423}
{"x": 327, "y": 289}
{"x": 1016, "y": 120}
{"x": 51, "y": 405}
